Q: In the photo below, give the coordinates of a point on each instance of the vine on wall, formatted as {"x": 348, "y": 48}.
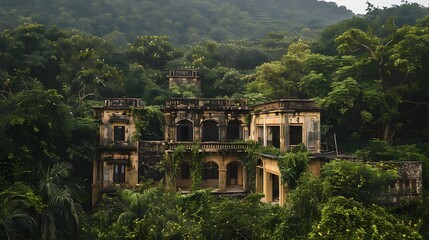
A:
{"x": 171, "y": 165}
{"x": 196, "y": 166}
{"x": 292, "y": 165}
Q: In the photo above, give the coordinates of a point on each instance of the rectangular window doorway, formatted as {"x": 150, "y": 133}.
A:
{"x": 119, "y": 173}
{"x": 295, "y": 135}
{"x": 119, "y": 133}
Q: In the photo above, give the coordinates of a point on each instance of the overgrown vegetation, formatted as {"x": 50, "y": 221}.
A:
{"x": 367, "y": 74}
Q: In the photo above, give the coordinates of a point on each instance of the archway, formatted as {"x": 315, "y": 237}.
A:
{"x": 184, "y": 131}
{"x": 183, "y": 180}
{"x": 210, "y": 131}
{"x": 210, "y": 175}
{"x": 234, "y": 174}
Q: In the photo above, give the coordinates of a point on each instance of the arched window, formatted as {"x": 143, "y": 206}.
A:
{"x": 185, "y": 170}
{"x": 233, "y": 130}
{"x": 210, "y": 131}
{"x": 234, "y": 173}
{"x": 210, "y": 171}
{"x": 185, "y": 131}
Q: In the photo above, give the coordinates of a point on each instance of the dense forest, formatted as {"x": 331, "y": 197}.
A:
{"x": 368, "y": 75}
{"x": 186, "y": 21}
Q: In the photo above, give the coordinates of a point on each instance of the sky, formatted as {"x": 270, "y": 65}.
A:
{"x": 359, "y": 6}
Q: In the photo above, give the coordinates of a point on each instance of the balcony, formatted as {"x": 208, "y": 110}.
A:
{"x": 119, "y": 118}
{"x": 213, "y": 146}
{"x": 158, "y": 146}
{"x": 152, "y": 146}
{"x": 117, "y": 145}
{"x": 123, "y": 103}
{"x": 206, "y": 104}
{"x": 288, "y": 104}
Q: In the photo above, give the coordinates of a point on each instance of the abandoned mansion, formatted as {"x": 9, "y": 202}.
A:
{"x": 220, "y": 130}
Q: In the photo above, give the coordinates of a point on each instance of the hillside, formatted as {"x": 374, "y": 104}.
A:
{"x": 184, "y": 21}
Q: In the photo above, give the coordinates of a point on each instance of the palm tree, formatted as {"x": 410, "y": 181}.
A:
{"x": 61, "y": 207}
{"x": 15, "y": 221}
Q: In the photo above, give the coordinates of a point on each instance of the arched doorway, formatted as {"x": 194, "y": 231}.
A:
{"x": 210, "y": 175}
{"x": 183, "y": 180}
{"x": 184, "y": 131}
{"x": 234, "y": 174}
{"x": 210, "y": 131}
{"x": 233, "y": 130}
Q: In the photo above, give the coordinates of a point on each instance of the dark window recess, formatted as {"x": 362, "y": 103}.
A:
{"x": 210, "y": 131}
{"x": 275, "y": 133}
{"x": 185, "y": 171}
{"x": 184, "y": 131}
{"x": 233, "y": 171}
{"x": 295, "y": 135}
{"x": 233, "y": 130}
{"x": 118, "y": 173}
{"x": 119, "y": 133}
{"x": 210, "y": 171}
{"x": 261, "y": 135}
{"x": 275, "y": 187}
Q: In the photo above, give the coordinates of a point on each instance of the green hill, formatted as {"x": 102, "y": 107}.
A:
{"x": 185, "y": 21}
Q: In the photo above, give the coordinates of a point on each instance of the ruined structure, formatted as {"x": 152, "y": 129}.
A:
{"x": 116, "y": 160}
{"x": 184, "y": 76}
{"x": 283, "y": 124}
{"x": 220, "y": 130}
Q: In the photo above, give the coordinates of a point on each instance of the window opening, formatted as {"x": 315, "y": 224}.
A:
{"x": 233, "y": 130}
{"x": 184, "y": 131}
{"x": 119, "y": 133}
{"x": 210, "y": 131}
{"x": 118, "y": 173}
{"x": 295, "y": 134}
{"x": 210, "y": 171}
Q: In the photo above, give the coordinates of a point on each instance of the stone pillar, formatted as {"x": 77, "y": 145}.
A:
{"x": 197, "y": 132}
{"x": 264, "y": 132}
{"x": 222, "y": 178}
{"x": 283, "y": 133}
{"x": 282, "y": 194}
{"x": 268, "y": 187}
{"x": 244, "y": 179}
{"x": 259, "y": 180}
{"x": 222, "y": 132}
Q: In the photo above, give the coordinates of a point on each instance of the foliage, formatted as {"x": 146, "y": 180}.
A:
{"x": 196, "y": 166}
{"x": 61, "y": 213}
{"x": 292, "y": 165}
{"x": 184, "y": 91}
{"x": 16, "y": 220}
{"x": 148, "y": 122}
{"x": 220, "y": 20}
{"x": 344, "y": 218}
{"x": 356, "y": 180}
{"x": 252, "y": 156}
{"x": 35, "y": 129}
{"x": 151, "y": 51}
{"x": 171, "y": 165}
{"x": 242, "y": 219}
{"x": 378, "y": 150}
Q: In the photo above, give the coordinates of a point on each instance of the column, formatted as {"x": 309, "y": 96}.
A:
{"x": 283, "y": 133}
{"x": 222, "y": 178}
{"x": 268, "y": 187}
{"x": 244, "y": 179}
{"x": 282, "y": 194}
{"x": 222, "y": 132}
{"x": 265, "y": 134}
